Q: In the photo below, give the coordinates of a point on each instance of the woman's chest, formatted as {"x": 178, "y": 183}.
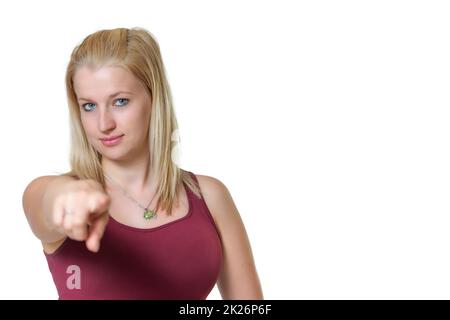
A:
{"x": 132, "y": 213}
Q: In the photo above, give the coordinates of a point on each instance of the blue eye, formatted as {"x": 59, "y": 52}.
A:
{"x": 120, "y": 99}
{"x": 123, "y": 99}
{"x": 85, "y": 105}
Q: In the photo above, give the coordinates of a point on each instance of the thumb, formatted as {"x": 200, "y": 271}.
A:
{"x": 96, "y": 231}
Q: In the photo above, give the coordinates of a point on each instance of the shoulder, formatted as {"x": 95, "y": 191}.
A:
{"x": 218, "y": 199}
{"x": 213, "y": 190}
{"x": 210, "y": 185}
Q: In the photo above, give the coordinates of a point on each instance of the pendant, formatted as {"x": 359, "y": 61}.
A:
{"x": 148, "y": 214}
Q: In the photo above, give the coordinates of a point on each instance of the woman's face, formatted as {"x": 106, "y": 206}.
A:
{"x": 113, "y": 102}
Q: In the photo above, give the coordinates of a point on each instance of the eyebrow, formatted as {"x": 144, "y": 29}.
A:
{"x": 111, "y": 96}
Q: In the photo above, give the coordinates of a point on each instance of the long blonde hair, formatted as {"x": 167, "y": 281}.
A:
{"x": 137, "y": 51}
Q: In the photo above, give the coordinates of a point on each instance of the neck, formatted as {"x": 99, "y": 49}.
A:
{"x": 132, "y": 174}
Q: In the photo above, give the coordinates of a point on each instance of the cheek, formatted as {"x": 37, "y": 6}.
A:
{"x": 142, "y": 118}
{"x": 87, "y": 127}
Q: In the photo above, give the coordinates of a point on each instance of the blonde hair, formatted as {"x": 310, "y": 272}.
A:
{"x": 137, "y": 51}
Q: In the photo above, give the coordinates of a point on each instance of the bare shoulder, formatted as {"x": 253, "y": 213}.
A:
{"x": 217, "y": 197}
{"x": 220, "y": 203}
{"x": 210, "y": 186}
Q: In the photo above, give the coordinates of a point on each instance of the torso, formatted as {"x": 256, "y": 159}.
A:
{"x": 127, "y": 212}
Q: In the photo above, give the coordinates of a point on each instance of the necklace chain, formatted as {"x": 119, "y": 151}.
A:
{"x": 148, "y": 214}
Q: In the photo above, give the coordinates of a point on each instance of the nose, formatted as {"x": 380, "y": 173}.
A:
{"x": 106, "y": 121}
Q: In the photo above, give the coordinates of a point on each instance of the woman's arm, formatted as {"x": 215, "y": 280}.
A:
{"x": 48, "y": 199}
{"x": 37, "y": 200}
{"x": 238, "y": 278}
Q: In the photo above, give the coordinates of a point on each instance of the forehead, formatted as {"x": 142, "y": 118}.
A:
{"x": 88, "y": 81}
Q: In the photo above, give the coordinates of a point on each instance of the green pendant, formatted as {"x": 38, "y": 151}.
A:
{"x": 148, "y": 214}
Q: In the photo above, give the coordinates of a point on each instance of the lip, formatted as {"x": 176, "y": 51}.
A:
{"x": 112, "y": 140}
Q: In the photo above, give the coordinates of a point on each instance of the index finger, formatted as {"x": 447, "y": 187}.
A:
{"x": 96, "y": 232}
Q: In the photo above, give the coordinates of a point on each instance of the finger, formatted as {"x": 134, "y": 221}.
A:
{"x": 94, "y": 238}
{"x": 58, "y": 215}
{"x": 67, "y": 220}
{"x": 80, "y": 233}
{"x": 79, "y": 226}
{"x": 96, "y": 232}
{"x": 99, "y": 204}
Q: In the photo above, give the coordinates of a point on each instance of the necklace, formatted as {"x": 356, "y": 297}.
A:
{"x": 148, "y": 214}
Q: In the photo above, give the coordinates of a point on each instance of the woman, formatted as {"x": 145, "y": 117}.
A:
{"x": 126, "y": 222}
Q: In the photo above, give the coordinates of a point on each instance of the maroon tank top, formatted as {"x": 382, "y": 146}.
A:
{"x": 177, "y": 260}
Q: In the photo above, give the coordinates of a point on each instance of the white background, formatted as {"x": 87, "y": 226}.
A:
{"x": 328, "y": 121}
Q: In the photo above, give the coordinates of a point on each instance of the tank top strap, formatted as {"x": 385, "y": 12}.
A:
{"x": 200, "y": 203}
